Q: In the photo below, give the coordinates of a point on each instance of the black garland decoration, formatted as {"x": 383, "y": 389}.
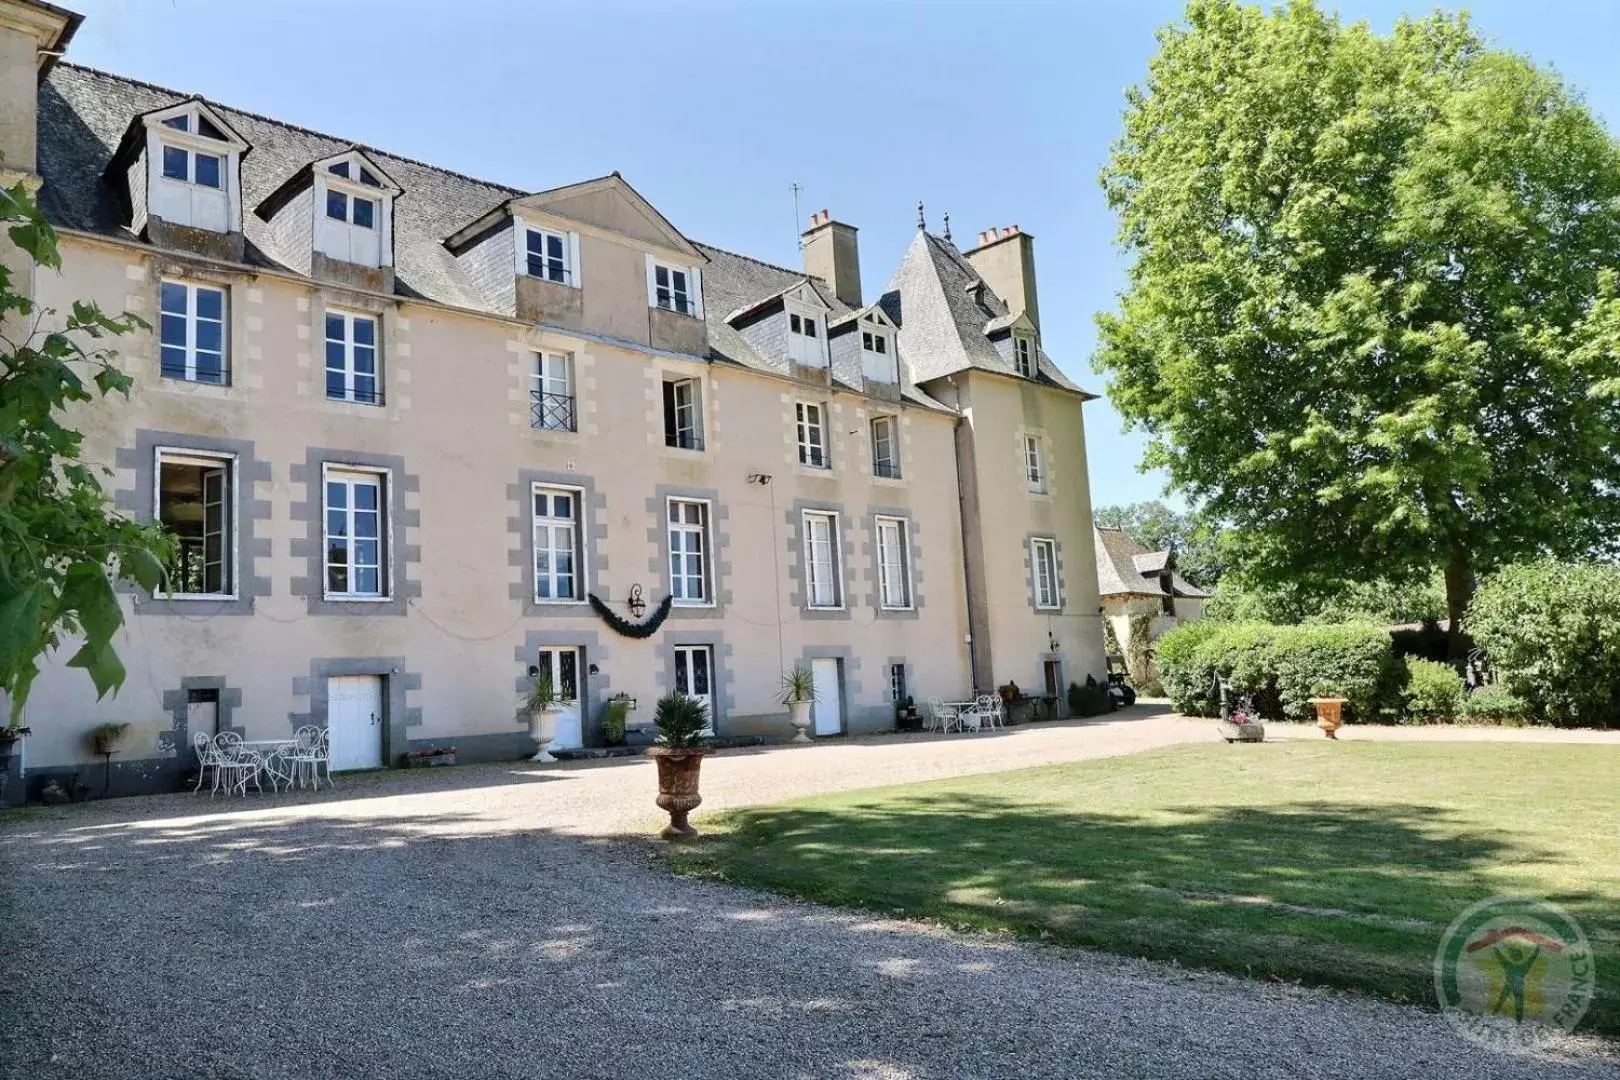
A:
{"x": 625, "y": 626}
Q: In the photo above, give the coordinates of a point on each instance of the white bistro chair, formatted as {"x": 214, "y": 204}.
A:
{"x": 311, "y": 754}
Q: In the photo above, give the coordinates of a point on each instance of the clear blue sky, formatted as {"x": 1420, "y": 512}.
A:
{"x": 998, "y": 113}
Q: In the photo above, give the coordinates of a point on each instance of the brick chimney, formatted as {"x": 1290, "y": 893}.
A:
{"x": 831, "y": 253}
{"x": 1005, "y": 260}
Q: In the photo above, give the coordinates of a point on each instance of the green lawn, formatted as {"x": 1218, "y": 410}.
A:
{"x": 1338, "y": 864}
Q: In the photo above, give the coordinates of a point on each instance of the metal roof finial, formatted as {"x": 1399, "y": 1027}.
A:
{"x": 947, "y": 233}
{"x": 922, "y": 222}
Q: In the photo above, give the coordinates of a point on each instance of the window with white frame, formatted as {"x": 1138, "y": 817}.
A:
{"x": 548, "y": 255}
{"x": 354, "y": 225}
{"x": 877, "y": 353}
{"x": 1034, "y": 464}
{"x": 885, "y": 448}
{"x": 558, "y": 545}
{"x": 689, "y": 551}
{"x": 673, "y": 288}
{"x": 683, "y": 414}
{"x": 894, "y": 563}
{"x": 355, "y": 518}
{"x": 551, "y": 392}
{"x": 823, "y": 587}
{"x": 805, "y": 339}
{"x": 897, "y": 684}
{"x": 351, "y": 358}
{"x": 1043, "y": 563}
{"x": 812, "y": 432}
{"x": 194, "y": 503}
{"x": 189, "y": 178}
{"x": 1024, "y": 355}
{"x": 191, "y": 332}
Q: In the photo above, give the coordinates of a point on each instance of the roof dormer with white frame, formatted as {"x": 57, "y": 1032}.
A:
{"x": 182, "y": 164}
{"x": 806, "y": 326}
{"x": 354, "y": 209}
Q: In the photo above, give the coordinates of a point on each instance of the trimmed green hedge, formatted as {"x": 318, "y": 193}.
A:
{"x": 1280, "y": 666}
{"x": 1494, "y": 705}
{"x": 1552, "y": 631}
{"x": 1433, "y": 692}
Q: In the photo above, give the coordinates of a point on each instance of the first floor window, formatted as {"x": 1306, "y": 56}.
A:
{"x": 551, "y": 393}
{"x": 894, "y": 582}
{"x": 689, "y": 551}
{"x": 897, "y": 683}
{"x": 1043, "y": 557}
{"x": 821, "y": 559}
{"x": 351, "y": 358}
{"x": 812, "y": 436}
{"x": 672, "y": 289}
{"x": 885, "y": 450}
{"x": 192, "y": 331}
{"x": 354, "y": 534}
{"x": 1024, "y": 356}
{"x": 194, "y": 505}
{"x": 682, "y": 424}
{"x": 557, "y": 544}
{"x": 1034, "y": 464}
{"x": 546, "y": 256}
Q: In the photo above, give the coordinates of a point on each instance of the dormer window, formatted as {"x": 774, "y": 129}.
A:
{"x": 191, "y": 172}
{"x": 355, "y": 202}
{"x": 1024, "y": 355}
{"x": 805, "y": 337}
{"x": 878, "y": 360}
{"x": 672, "y": 289}
{"x": 548, "y": 255}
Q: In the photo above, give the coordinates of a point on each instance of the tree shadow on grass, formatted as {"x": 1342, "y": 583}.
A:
{"x": 1314, "y": 891}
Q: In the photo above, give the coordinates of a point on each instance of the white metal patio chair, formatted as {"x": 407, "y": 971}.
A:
{"x": 238, "y": 763}
{"x": 989, "y": 707}
{"x": 942, "y": 717}
{"x": 310, "y": 755}
{"x": 208, "y": 757}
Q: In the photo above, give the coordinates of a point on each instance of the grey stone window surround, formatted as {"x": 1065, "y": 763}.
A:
{"x": 843, "y": 553}
{"x": 520, "y": 530}
{"x": 593, "y": 692}
{"x": 722, "y": 688}
{"x": 142, "y": 459}
{"x": 888, "y": 690}
{"x": 399, "y": 557}
{"x": 1029, "y": 572}
{"x": 176, "y": 742}
{"x": 913, "y": 559}
{"x": 398, "y": 717}
{"x": 1063, "y": 679}
{"x": 719, "y": 545}
{"x": 849, "y": 683}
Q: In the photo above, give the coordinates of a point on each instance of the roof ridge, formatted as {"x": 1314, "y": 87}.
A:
{"x": 757, "y": 261}
{"x": 292, "y": 127}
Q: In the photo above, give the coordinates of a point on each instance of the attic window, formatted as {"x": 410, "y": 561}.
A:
{"x": 342, "y": 169}
{"x": 1024, "y": 355}
{"x": 357, "y": 201}
{"x": 190, "y": 175}
{"x": 204, "y": 126}
{"x": 877, "y": 353}
{"x": 804, "y": 339}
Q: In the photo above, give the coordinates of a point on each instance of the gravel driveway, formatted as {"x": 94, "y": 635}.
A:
{"x": 466, "y": 925}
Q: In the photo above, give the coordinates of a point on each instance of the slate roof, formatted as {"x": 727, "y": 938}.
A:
{"x": 84, "y": 115}
{"x": 943, "y": 309}
{"x": 1126, "y": 568}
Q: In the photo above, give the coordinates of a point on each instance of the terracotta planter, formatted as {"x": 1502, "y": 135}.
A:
{"x": 799, "y": 717}
{"x": 678, "y": 787}
{"x": 1329, "y": 714}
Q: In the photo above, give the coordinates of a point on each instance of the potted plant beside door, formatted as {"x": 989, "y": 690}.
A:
{"x": 679, "y": 755}
{"x": 543, "y": 705}
{"x": 798, "y": 694}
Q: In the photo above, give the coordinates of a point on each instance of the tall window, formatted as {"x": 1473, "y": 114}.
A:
{"x": 351, "y": 358}
{"x": 354, "y": 534}
{"x": 194, "y": 505}
{"x": 812, "y": 436}
{"x": 1024, "y": 355}
{"x": 1034, "y": 464}
{"x": 683, "y": 420}
{"x": 192, "y": 332}
{"x": 877, "y": 355}
{"x": 894, "y": 579}
{"x": 551, "y": 392}
{"x": 689, "y": 551}
{"x": 672, "y": 289}
{"x": 822, "y": 586}
{"x": 188, "y": 172}
{"x": 557, "y": 573}
{"x": 804, "y": 340}
{"x": 897, "y": 683}
{"x": 547, "y": 257}
{"x": 1043, "y": 562}
{"x": 885, "y": 448}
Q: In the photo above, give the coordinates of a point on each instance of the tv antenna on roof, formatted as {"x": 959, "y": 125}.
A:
{"x": 796, "y": 189}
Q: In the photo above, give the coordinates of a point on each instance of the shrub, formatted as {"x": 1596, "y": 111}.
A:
{"x": 1282, "y": 667}
{"x": 613, "y": 720}
{"x": 1552, "y": 631}
{"x": 1433, "y": 691}
{"x": 1493, "y": 705}
{"x": 1092, "y": 699}
{"x": 681, "y": 720}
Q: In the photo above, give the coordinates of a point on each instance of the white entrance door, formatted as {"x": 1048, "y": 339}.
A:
{"x": 354, "y": 717}
{"x": 561, "y": 665}
{"x": 829, "y": 707}
{"x": 694, "y": 677}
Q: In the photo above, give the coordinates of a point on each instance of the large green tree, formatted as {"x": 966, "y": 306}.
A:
{"x": 61, "y": 543}
{"x": 1371, "y": 319}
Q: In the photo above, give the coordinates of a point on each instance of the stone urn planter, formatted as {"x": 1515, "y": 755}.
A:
{"x": 678, "y": 795}
{"x": 1329, "y": 714}
{"x": 799, "y": 717}
{"x": 543, "y": 729}
{"x": 798, "y": 694}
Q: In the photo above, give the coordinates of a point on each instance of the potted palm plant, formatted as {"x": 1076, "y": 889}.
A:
{"x": 679, "y": 754}
{"x": 541, "y": 702}
{"x": 798, "y": 694}
{"x": 105, "y": 736}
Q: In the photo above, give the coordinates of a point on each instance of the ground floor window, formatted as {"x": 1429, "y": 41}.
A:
{"x": 897, "y": 683}
{"x": 694, "y": 676}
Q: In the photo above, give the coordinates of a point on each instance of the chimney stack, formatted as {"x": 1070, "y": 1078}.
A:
{"x": 832, "y": 254}
{"x": 1005, "y": 260}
